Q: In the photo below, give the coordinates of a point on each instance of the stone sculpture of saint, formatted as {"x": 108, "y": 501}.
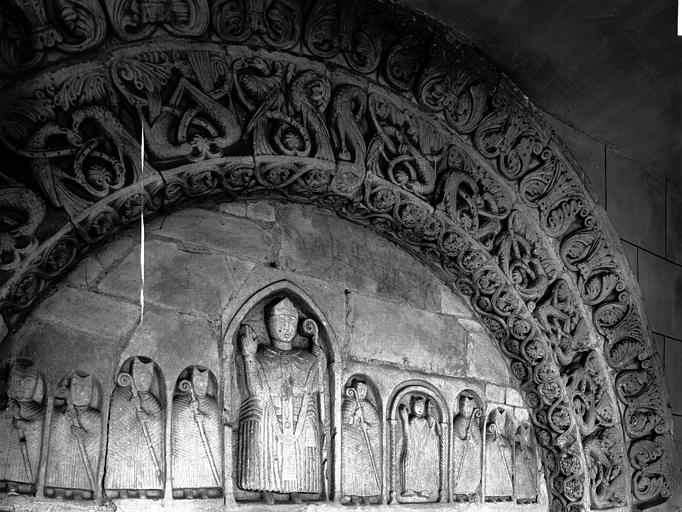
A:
{"x": 21, "y": 429}
{"x": 196, "y": 430}
{"x": 466, "y": 449}
{"x": 421, "y": 455}
{"x": 74, "y": 440}
{"x": 498, "y": 459}
{"x": 282, "y": 420}
{"x": 361, "y": 442}
{"x": 525, "y": 466}
{"x": 135, "y": 454}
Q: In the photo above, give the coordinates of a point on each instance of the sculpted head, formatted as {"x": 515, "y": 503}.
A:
{"x": 81, "y": 389}
{"x": 200, "y": 380}
{"x": 23, "y": 380}
{"x": 418, "y": 406}
{"x": 361, "y": 389}
{"x": 467, "y": 404}
{"x": 143, "y": 374}
{"x": 282, "y": 321}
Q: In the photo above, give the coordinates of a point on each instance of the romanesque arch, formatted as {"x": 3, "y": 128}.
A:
{"x": 366, "y": 109}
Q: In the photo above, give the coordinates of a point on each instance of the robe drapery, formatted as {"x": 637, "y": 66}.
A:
{"x": 65, "y": 466}
{"x": 191, "y": 466}
{"x": 13, "y": 471}
{"x": 421, "y": 460}
{"x": 498, "y": 467}
{"x": 358, "y": 473}
{"x": 129, "y": 463}
{"x": 525, "y": 473}
{"x": 280, "y": 438}
{"x": 466, "y": 456}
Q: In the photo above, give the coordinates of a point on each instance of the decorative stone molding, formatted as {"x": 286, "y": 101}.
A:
{"x": 369, "y": 110}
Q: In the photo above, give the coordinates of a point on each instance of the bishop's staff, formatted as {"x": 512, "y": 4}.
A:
{"x": 311, "y": 329}
{"x": 126, "y": 380}
{"x": 186, "y": 385}
{"x": 22, "y": 441}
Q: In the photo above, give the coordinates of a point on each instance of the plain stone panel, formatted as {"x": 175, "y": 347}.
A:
{"x": 176, "y": 278}
{"x": 635, "y": 203}
{"x": 453, "y": 304}
{"x": 514, "y": 398}
{"x": 659, "y": 342}
{"x": 588, "y": 152}
{"x": 673, "y": 366}
{"x": 410, "y": 338}
{"x": 175, "y": 342}
{"x": 631, "y": 253}
{"x": 261, "y": 210}
{"x": 58, "y": 350}
{"x": 484, "y": 359}
{"x": 88, "y": 312}
{"x": 674, "y": 222}
{"x": 113, "y": 252}
{"x": 212, "y": 230}
{"x": 495, "y": 393}
{"x": 661, "y": 284}
{"x": 86, "y": 273}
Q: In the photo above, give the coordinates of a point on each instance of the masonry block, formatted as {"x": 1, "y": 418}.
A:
{"x": 661, "y": 285}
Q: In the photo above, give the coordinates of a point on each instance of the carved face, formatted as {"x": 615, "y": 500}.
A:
{"x": 81, "y": 391}
{"x": 282, "y": 327}
{"x": 200, "y": 382}
{"x": 466, "y": 405}
{"x": 361, "y": 389}
{"x": 22, "y": 385}
{"x": 418, "y": 408}
{"x": 142, "y": 376}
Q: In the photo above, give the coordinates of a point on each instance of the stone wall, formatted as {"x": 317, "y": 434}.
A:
{"x": 390, "y": 317}
{"x": 646, "y": 210}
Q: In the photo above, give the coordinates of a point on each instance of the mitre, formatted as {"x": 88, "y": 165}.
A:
{"x": 284, "y": 308}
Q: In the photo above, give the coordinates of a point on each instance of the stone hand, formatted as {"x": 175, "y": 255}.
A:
{"x": 248, "y": 340}
{"x": 19, "y": 424}
{"x": 403, "y": 412}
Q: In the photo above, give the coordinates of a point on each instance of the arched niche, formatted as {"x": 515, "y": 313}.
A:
{"x": 526, "y": 481}
{"x": 330, "y": 134}
{"x": 418, "y": 430}
{"x": 498, "y": 465}
{"x": 281, "y": 407}
{"x": 466, "y": 452}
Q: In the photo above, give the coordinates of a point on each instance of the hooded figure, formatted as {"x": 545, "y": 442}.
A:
{"x": 74, "y": 439}
{"x": 21, "y": 429}
{"x": 466, "y": 449}
{"x": 421, "y": 455}
{"x": 498, "y": 459}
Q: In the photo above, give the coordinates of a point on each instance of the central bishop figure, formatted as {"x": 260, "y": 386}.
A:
{"x": 281, "y": 422}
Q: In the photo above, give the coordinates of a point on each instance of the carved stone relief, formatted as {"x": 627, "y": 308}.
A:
{"x": 499, "y": 463}
{"x": 21, "y": 432}
{"x": 282, "y": 440}
{"x": 419, "y": 437}
{"x": 76, "y": 431}
{"x": 361, "y": 443}
{"x": 135, "y": 464}
{"x": 196, "y": 434}
{"x": 525, "y": 465}
{"x": 467, "y": 448}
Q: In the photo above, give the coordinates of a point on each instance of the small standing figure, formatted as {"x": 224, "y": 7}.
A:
{"x": 498, "y": 458}
{"x": 195, "y": 436}
{"x": 74, "y": 439}
{"x": 135, "y": 456}
{"x": 466, "y": 450}
{"x": 21, "y": 429}
{"x": 525, "y": 466}
{"x": 421, "y": 455}
{"x": 283, "y": 420}
{"x": 361, "y": 461}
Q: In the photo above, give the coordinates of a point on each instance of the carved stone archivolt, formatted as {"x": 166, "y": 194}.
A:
{"x": 404, "y": 129}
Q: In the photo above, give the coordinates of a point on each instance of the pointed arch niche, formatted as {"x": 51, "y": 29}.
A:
{"x": 366, "y": 110}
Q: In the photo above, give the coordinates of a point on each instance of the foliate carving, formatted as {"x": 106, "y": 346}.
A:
{"x": 361, "y": 446}
{"x": 467, "y": 448}
{"x": 196, "y": 432}
{"x": 31, "y": 29}
{"x": 499, "y": 463}
{"x": 73, "y": 456}
{"x": 283, "y": 418}
{"x": 525, "y": 465}
{"x": 418, "y": 462}
{"x": 350, "y": 28}
{"x": 21, "y": 430}
{"x": 277, "y": 23}
{"x": 136, "y": 446}
{"x": 404, "y": 58}
{"x": 133, "y": 20}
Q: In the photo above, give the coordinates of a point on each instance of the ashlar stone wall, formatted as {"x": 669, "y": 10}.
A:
{"x": 386, "y": 319}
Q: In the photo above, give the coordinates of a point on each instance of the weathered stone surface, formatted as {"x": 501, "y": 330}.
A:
{"x": 674, "y": 222}
{"x": 175, "y": 341}
{"x": 453, "y": 304}
{"x": 211, "y": 230}
{"x": 659, "y": 339}
{"x": 261, "y": 210}
{"x": 236, "y": 208}
{"x": 661, "y": 283}
{"x": 86, "y": 273}
{"x": 178, "y": 278}
{"x": 634, "y": 199}
{"x": 495, "y": 393}
{"x": 673, "y": 364}
{"x": 484, "y": 360}
{"x": 115, "y": 251}
{"x": 89, "y": 313}
{"x": 381, "y": 331}
{"x": 514, "y": 398}
{"x": 3, "y": 328}
{"x": 631, "y": 252}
